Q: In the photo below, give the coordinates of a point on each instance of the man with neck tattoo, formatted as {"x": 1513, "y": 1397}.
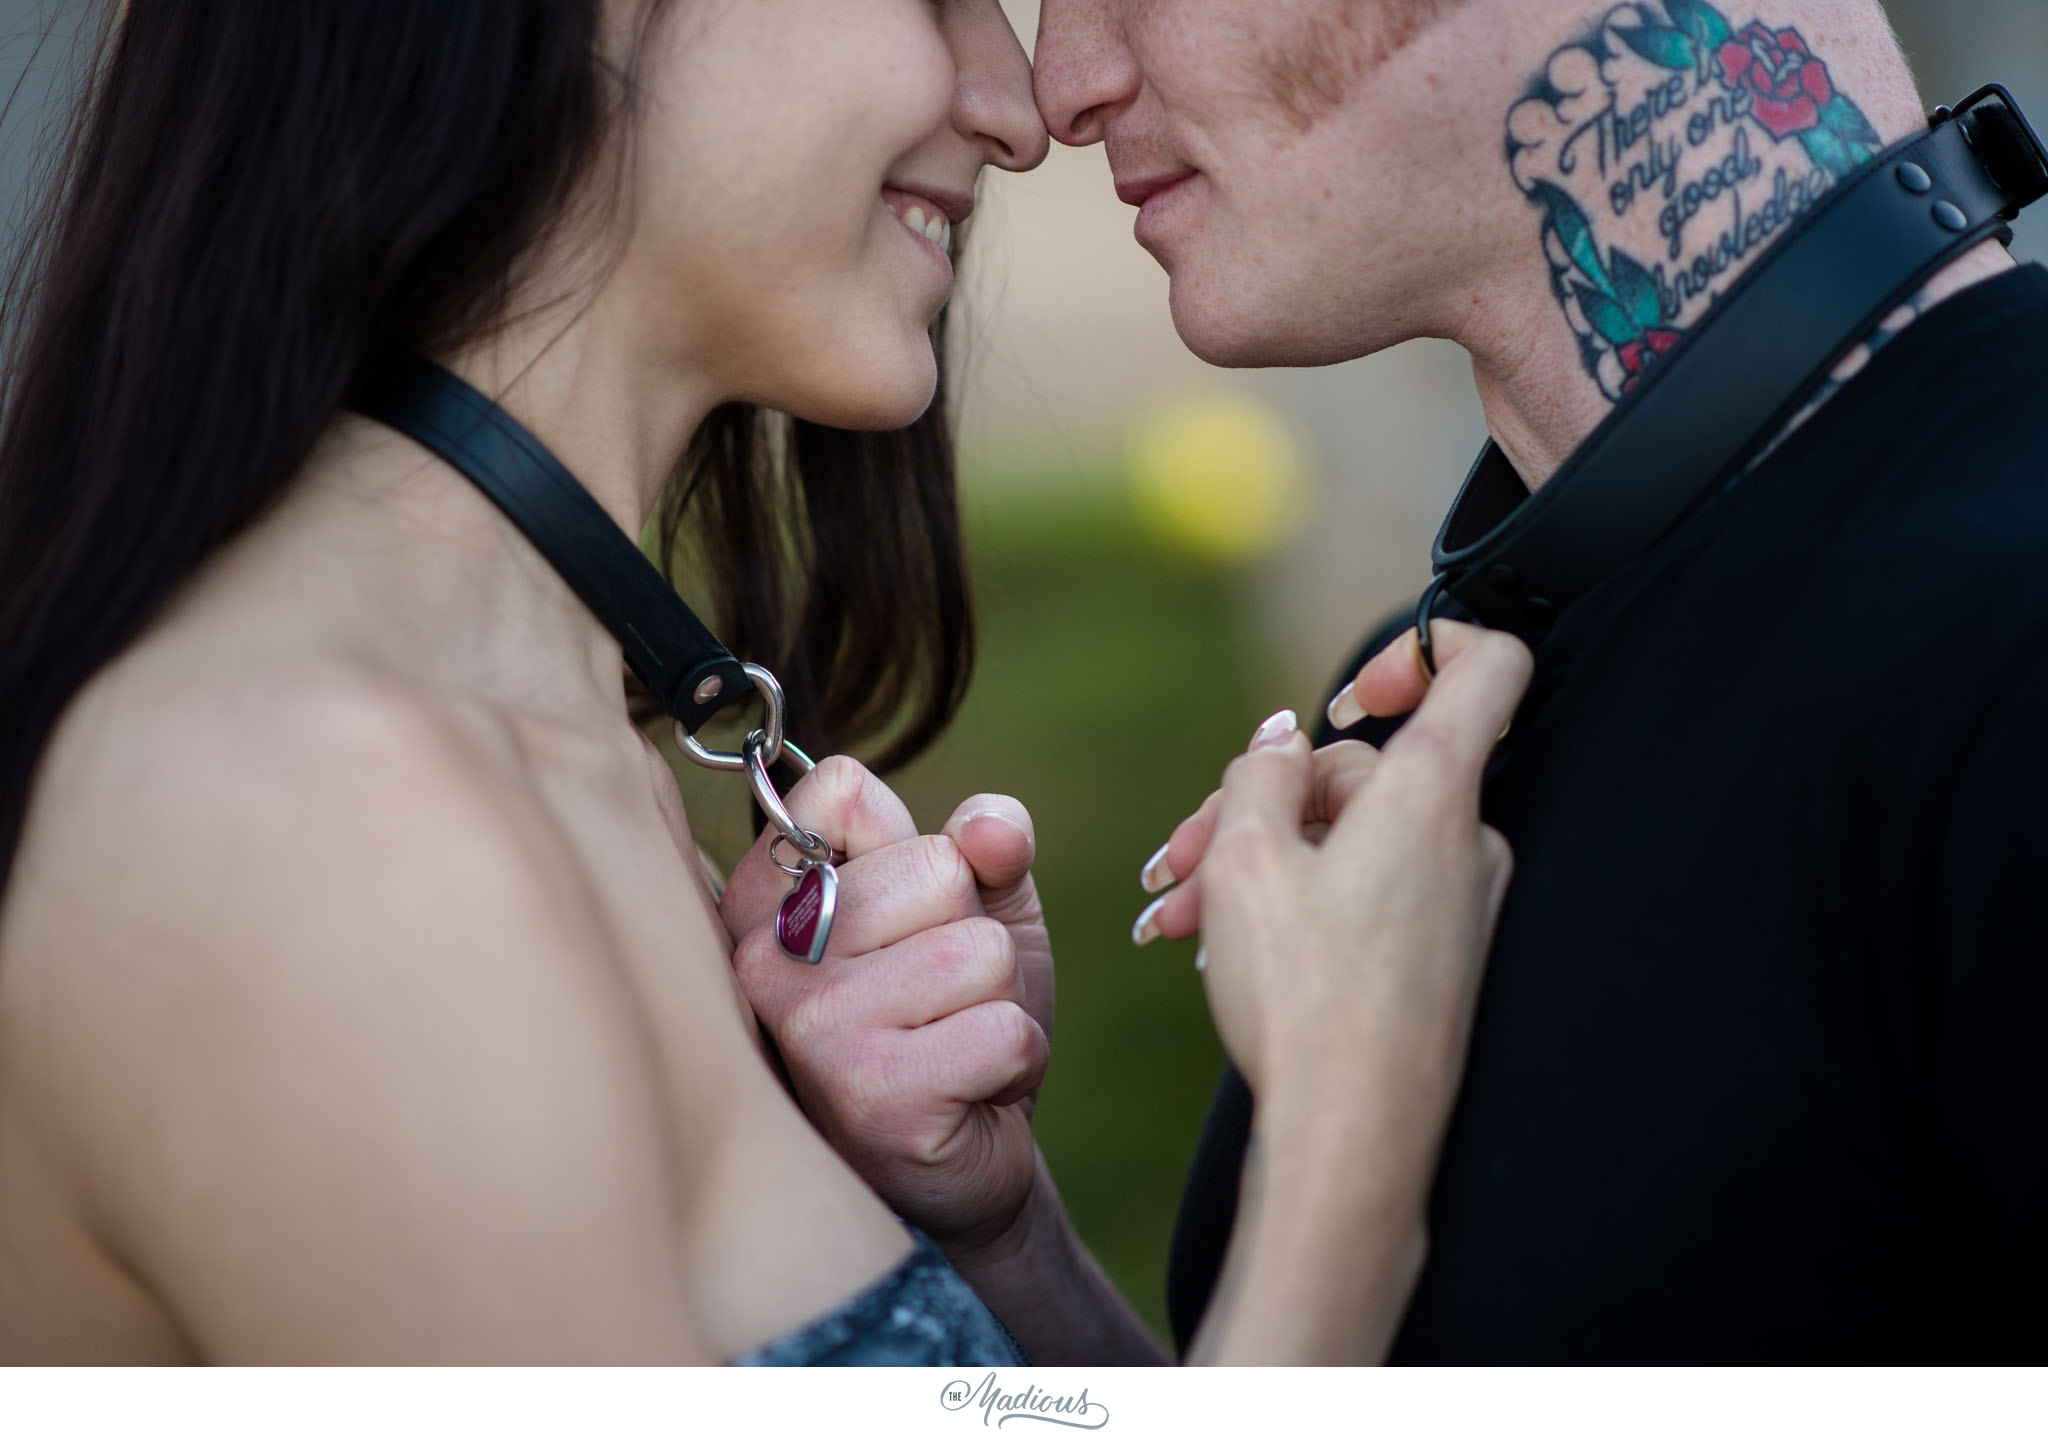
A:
{"x": 1757, "y": 1070}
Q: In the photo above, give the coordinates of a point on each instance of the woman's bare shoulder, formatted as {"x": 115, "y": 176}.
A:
{"x": 316, "y": 982}
{"x": 174, "y": 789}
{"x": 261, "y": 823}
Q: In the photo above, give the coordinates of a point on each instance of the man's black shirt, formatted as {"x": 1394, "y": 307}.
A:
{"x": 1760, "y": 1068}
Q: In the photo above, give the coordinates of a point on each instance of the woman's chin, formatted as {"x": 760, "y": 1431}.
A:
{"x": 882, "y": 402}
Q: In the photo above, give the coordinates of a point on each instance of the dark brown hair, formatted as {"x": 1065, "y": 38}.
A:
{"x": 259, "y": 202}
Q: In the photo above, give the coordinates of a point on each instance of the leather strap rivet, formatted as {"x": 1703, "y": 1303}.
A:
{"x": 1950, "y": 217}
{"x": 1540, "y": 612}
{"x": 1504, "y": 579}
{"x": 709, "y": 689}
{"x": 1915, "y": 179}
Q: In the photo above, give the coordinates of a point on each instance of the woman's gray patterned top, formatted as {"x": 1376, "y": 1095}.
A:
{"x": 921, "y": 1314}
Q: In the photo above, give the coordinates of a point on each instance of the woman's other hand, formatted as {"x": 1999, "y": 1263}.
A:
{"x": 1347, "y": 898}
{"x": 918, "y": 1045}
{"x": 1336, "y": 773}
{"x": 1393, "y": 683}
{"x": 1342, "y": 976}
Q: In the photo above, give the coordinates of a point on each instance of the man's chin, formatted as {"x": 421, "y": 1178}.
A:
{"x": 1219, "y": 336}
{"x": 1230, "y": 334}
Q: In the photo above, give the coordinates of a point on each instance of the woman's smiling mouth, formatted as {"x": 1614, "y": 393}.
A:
{"x": 931, "y": 218}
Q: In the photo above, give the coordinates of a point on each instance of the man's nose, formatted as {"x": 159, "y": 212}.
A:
{"x": 1086, "y": 72}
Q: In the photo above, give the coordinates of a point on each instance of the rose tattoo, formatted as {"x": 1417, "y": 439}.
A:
{"x": 1789, "y": 86}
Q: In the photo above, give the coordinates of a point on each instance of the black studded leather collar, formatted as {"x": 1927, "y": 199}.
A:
{"x": 1515, "y": 560}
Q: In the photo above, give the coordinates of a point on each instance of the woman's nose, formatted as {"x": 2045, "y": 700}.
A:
{"x": 1085, "y": 70}
{"x": 992, "y": 103}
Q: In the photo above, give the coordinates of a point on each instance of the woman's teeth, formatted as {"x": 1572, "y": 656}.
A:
{"x": 938, "y": 228}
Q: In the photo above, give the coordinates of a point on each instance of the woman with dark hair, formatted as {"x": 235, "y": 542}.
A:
{"x": 361, "y": 995}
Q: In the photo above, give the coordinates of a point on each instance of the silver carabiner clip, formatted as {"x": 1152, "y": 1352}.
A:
{"x": 803, "y": 922}
{"x": 811, "y": 847}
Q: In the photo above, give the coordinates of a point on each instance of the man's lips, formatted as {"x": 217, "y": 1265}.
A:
{"x": 1137, "y": 192}
{"x": 1158, "y": 198}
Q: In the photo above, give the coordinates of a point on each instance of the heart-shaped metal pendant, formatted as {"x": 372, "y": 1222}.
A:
{"x": 804, "y": 922}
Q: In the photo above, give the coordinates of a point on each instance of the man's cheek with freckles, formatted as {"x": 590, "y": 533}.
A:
{"x": 1313, "y": 52}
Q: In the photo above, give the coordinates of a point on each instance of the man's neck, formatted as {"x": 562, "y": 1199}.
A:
{"x": 1661, "y": 152}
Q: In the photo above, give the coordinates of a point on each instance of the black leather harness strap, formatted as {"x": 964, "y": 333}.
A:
{"x": 686, "y": 668}
{"x": 1514, "y": 560}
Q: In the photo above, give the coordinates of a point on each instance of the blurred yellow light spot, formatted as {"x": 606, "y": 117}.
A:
{"x": 1220, "y": 478}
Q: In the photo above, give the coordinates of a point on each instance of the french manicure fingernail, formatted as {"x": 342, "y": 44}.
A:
{"x": 1155, "y": 877}
{"x": 1201, "y": 959}
{"x": 1276, "y": 730}
{"x": 1345, "y": 710}
{"x": 1146, "y": 930}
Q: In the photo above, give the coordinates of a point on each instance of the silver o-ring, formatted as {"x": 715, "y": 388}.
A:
{"x": 830, "y": 855}
{"x": 771, "y": 728}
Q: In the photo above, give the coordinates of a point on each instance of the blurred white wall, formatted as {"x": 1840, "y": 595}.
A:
{"x": 1064, "y": 314}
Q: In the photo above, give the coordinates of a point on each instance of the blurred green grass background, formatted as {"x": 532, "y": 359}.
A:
{"x": 1118, "y": 675}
